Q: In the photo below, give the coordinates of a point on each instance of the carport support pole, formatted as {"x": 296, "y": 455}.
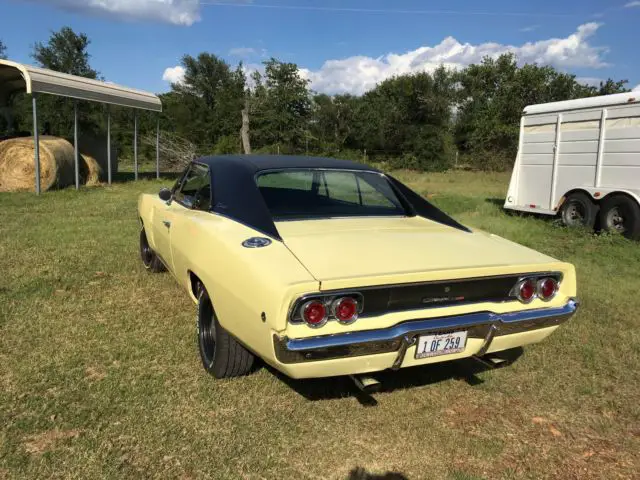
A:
{"x": 158, "y": 148}
{"x": 109, "y": 145}
{"x": 36, "y": 140}
{"x": 75, "y": 143}
{"x": 135, "y": 146}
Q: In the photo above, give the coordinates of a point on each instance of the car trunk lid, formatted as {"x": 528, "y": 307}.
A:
{"x": 341, "y": 253}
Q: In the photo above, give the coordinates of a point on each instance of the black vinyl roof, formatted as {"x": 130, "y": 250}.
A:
{"x": 257, "y": 163}
{"x": 236, "y": 194}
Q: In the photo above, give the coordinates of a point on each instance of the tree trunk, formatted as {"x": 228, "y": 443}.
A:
{"x": 244, "y": 131}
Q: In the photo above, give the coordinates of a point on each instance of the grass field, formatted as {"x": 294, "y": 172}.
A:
{"x": 100, "y": 376}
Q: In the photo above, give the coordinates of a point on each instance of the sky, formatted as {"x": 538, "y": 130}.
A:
{"x": 343, "y": 46}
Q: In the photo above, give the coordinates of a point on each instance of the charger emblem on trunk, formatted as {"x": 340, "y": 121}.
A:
{"x": 443, "y": 299}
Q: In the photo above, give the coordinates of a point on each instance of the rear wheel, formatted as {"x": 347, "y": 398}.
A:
{"x": 578, "y": 210}
{"x": 149, "y": 258}
{"x": 221, "y": 354}
{"x": 621, "y": 214}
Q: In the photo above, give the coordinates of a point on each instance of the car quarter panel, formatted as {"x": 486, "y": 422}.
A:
{"x": 243, "y": 282}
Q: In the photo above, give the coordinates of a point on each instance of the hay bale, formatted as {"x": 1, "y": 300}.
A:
{"x": 91, "y": 171}
{"x": 95, "y": 146}
{"x": 17, "y": 165}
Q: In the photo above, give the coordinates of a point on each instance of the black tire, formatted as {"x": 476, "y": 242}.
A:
{"x": 578, "y": 210}
{"x": 621, "y": 214}
{"x": 149, "y": 258}
{"x": 221, "y": 354}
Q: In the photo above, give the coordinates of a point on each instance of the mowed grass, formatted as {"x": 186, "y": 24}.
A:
{"x": 100, "y": 376}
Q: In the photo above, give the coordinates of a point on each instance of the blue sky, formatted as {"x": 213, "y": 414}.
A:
{"x": 342, "y": 46}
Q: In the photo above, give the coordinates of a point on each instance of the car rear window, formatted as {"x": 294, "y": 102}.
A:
{"x": 298, "y": 194}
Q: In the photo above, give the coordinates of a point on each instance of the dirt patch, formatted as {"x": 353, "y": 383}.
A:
{"x": 94, "y": 375}
{"x": 47, "y": 441}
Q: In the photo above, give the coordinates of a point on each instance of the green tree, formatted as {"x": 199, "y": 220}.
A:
{"x": 492, "y": 96}
{"x": 409, "y": 117}
{"x": 67, "y": 52}
{"x": 333, "y": 122}
{"x": 610, "y": 87}
{"x": 281, "y": 106}
{"x": 208, "y": 102}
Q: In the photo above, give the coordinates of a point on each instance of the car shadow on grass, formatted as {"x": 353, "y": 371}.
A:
{"x": 361, "y": 474}
{"x": 466, "y": 370}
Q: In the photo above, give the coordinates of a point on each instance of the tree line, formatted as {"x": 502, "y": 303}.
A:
{"x": 425, "y": 121}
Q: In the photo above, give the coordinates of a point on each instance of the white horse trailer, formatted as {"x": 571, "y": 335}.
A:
{"x": 580, "y": 159}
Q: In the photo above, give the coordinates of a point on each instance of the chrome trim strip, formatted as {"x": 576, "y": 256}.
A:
{"x": 402, "y": 336}
{"x": 544, "y": 273}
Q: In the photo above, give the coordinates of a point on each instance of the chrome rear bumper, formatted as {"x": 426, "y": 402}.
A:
{"x": 485, "y": 325}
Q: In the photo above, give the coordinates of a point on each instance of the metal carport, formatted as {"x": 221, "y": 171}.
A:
{"x": 16, "y": 77}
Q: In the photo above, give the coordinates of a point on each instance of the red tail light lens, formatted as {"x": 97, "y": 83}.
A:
{"x": 547, "y": 288}
{"x": 345, "y": 310}
{"x": 314, "y": 313}
{"x": 526, "y": 291}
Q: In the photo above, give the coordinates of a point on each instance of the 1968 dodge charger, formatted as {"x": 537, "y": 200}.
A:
{"x": 326, "y": 267}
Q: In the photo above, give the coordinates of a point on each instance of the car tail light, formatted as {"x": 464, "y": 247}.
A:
{"x": 314, "y": 313}
{"x": 547, "y": 288}
{"x": 526, "y": 291}
{"x": 345, "y": 310}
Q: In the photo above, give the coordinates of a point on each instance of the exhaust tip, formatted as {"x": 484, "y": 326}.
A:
{"x": 366, "y": 383}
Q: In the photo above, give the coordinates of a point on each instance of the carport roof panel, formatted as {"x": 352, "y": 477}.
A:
{"x": 16, "y": 77}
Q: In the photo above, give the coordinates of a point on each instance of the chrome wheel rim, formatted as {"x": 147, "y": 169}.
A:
{"x": 615, "y": 220}
{"x": 575, "y": 214}
{"x": 145, "y": 250}
{"x": 208, "y": 337}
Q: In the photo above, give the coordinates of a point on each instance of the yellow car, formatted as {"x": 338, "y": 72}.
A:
{"x": 326, "y": 267}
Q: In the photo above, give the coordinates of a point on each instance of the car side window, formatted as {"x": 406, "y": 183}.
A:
{"x": 195, "y": 189}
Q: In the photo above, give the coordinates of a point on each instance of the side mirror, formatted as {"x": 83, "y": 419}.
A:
{"x": 165, "y": 194}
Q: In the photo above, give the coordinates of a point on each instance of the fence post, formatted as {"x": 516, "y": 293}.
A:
{"x": 158, "y": 148}
{"x": 75, "y": 144}
{"x": 135, "y": 145}
{"x": 36, "y": 140}
{"x": 108, "y": 145}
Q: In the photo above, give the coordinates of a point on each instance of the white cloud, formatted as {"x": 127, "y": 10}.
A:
{"x": 637, "y": 88}
{"x": 530, "y": 28}
{"x": 178, "y": 12}
{"x": 633, "y": 4}
{"x": 242, "y": 51}
{"x": 590, "y": 81}
{"x": 358, "y": 74}
{"x": 174, "y": 74}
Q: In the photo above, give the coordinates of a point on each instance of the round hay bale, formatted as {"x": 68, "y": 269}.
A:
{"x": 17, "y": 164}
{"x": 91, "y": 171}
{"x": 95, "y": 146}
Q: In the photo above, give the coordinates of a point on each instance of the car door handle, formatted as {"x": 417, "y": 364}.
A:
{"x": 166, "y": 223}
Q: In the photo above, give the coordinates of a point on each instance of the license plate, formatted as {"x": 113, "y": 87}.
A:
{"x": 441, "y": 344}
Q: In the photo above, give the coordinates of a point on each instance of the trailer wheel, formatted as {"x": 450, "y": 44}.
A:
{"x": 621, "y": 214}
{"x": 578, "y": 210}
